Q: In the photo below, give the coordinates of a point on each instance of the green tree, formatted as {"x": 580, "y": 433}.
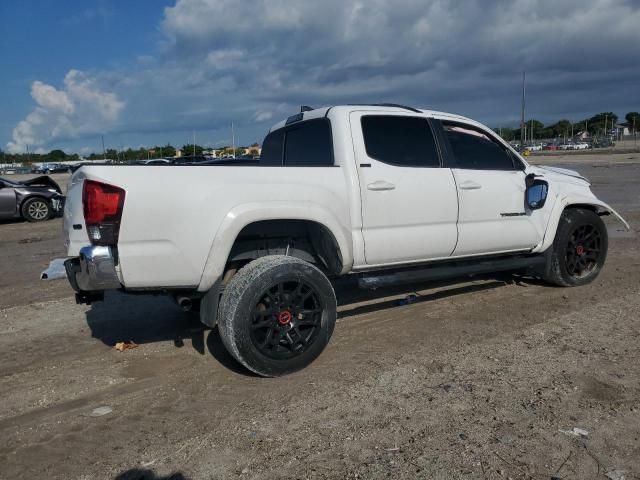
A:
{"x": 597, "y": 122}
{"x": 166, "y": 151}
{"x": 506, "y": 133}
{"x": 537, "y": 127}
{"x": 56, "y": 156}
{"x": 630, "y": 117}
{"x": 561, "y": 128}
{"x": 189, "y": 149}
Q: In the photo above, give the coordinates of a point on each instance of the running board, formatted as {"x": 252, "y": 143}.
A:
{"x": 449, "y": 270}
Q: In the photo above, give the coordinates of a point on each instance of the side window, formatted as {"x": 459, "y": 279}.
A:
{"x": 474, "y": 150}
{"x": 309, "y": 144}
{"x": 401, "y": 141}
{"x": 272, "y": 149}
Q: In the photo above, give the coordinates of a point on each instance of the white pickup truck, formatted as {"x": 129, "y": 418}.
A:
{"x": 385, "y": 193}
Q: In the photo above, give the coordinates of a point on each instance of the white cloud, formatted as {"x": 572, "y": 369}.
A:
{"x": 81, "y": 107}
{"x": 261, "y": 116}
{"x": 253, "y": 62}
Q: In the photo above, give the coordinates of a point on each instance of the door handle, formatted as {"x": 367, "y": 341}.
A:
{"x": 380, "y": 185}
{"x": 470, "y": 185}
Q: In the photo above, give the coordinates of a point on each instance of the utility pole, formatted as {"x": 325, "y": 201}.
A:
{"x": 194, "y": 143}
{"x": 635, "y": 140}
{"x": 104, "y": 152}
{"x": 233, "y": 140}
{"x": 606, "y": 117}
{"x": 531, "y": 135}
{"x": 522, "y": 124}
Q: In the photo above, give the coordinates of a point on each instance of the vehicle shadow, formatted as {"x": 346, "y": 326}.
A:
{"x": 156, "y": 318}
{"x": 144, "y": 474}
{"x": 7, "y": 221}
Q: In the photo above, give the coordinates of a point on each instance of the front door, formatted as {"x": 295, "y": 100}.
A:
{"x": 409, "y": 201}
{"x": 7, "y": 200}
{"x": 491, "y": 191}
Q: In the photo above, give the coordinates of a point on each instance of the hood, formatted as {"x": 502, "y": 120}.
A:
{"x": 43, "y": 181}
{"x": 565, "y": 172}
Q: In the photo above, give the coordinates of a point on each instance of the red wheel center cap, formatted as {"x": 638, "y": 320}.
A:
{"x": 284, "y": 317}
{"x": 580, "y": 250}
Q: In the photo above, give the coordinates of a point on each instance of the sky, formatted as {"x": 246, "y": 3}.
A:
{"x": 152, "y": 72}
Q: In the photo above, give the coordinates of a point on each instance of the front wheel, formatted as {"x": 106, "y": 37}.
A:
{"x": 579, "y": 249}
{"x": 277, "y": 315}
{"x": 36, "y": 210}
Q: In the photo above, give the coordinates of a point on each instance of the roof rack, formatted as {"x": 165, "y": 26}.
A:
{"x": 396, "y": 105}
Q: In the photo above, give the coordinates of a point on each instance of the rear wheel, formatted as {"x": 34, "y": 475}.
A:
{"x": 277, "y": 315}
{"x": 579, "y": 249}
{"x": 36, "y": 210}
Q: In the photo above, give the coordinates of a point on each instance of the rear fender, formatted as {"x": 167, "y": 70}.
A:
{"x": 559, "y": 207}
{"x": 242, "y": 215}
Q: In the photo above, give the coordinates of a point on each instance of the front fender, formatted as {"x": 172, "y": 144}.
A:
{"x": 564, "y": 202}
{"x": 242, "y": 215}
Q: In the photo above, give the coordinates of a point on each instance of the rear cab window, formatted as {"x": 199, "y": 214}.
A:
{"x": 399, "y": 140}
{"x": 304, "y": 144}
{"x": 475, "y": 149}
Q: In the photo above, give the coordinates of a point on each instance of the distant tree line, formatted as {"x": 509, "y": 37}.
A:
{"x": 54, "y": 156}
{"x": 594, "y": 125}
{"x": 128, "y": 155}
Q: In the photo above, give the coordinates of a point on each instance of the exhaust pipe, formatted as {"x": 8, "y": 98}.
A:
{"x": 185, "y": 303}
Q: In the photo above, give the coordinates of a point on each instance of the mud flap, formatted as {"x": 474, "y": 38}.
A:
{"x": 209, "y": 305}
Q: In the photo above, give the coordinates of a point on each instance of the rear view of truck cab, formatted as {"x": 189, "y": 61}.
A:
{"x": 91, "y": 228}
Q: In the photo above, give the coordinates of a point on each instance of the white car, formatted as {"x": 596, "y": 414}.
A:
{"x": 384, "y": 193}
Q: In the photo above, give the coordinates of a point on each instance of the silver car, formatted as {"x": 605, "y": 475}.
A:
{"x": 35, "y": 200}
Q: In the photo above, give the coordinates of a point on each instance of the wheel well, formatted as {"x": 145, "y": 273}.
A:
{"x": 586, "y": 206}
{"x": 29, "y": 197}
{"x": 304, "y": 239}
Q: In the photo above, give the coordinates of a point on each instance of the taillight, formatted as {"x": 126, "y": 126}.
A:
{"x": 102, "y": 206}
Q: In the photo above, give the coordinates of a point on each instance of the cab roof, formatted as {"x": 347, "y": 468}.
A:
{"x": 308, "y": 114}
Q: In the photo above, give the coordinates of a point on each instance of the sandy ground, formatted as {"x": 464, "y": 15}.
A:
{"x": 482, "y": 379}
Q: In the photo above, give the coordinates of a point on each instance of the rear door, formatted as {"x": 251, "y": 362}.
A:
{"x": 409, "y": 201}
{"x": 491, "y": 193}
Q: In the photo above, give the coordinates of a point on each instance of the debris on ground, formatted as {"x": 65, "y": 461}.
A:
{"x": 615, "y": 474}
{"x": 576, "y": 432}
{"x": 408, "y": 299}
{"x": 122, "y": 346}
{"x": 55, "y": 270}
{"x": 100, "y": 411}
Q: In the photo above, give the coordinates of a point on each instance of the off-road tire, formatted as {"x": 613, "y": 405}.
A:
{"x": 559, "y": 264}
{"x": 242, "y": 298}
{"x": 36, "y": 209}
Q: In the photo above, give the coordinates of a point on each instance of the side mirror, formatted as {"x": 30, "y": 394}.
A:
{"x": 536, "y": 193}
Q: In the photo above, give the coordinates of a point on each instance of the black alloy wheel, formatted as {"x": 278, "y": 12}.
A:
{"x": 579, "y": 249}
{"x": 583, "y": 250}
{"x": 286, "y": 319}
{"x": 277, "y": 315}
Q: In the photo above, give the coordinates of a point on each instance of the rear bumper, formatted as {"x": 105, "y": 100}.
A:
{"x": 92, "y": 271}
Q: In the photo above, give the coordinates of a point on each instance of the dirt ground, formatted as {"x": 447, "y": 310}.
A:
{"x": 482, "y": 379}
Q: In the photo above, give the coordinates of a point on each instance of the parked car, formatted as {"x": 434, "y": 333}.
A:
{"x": 48, "y": 168}
{"x": 384, "y": 194}
{"x": 34, "y": 200}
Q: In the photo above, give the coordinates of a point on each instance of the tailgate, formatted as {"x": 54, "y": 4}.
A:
{"x": 74, "y": 229}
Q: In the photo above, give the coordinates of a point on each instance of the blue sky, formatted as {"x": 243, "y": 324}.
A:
{"x": 150, "y": 72}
